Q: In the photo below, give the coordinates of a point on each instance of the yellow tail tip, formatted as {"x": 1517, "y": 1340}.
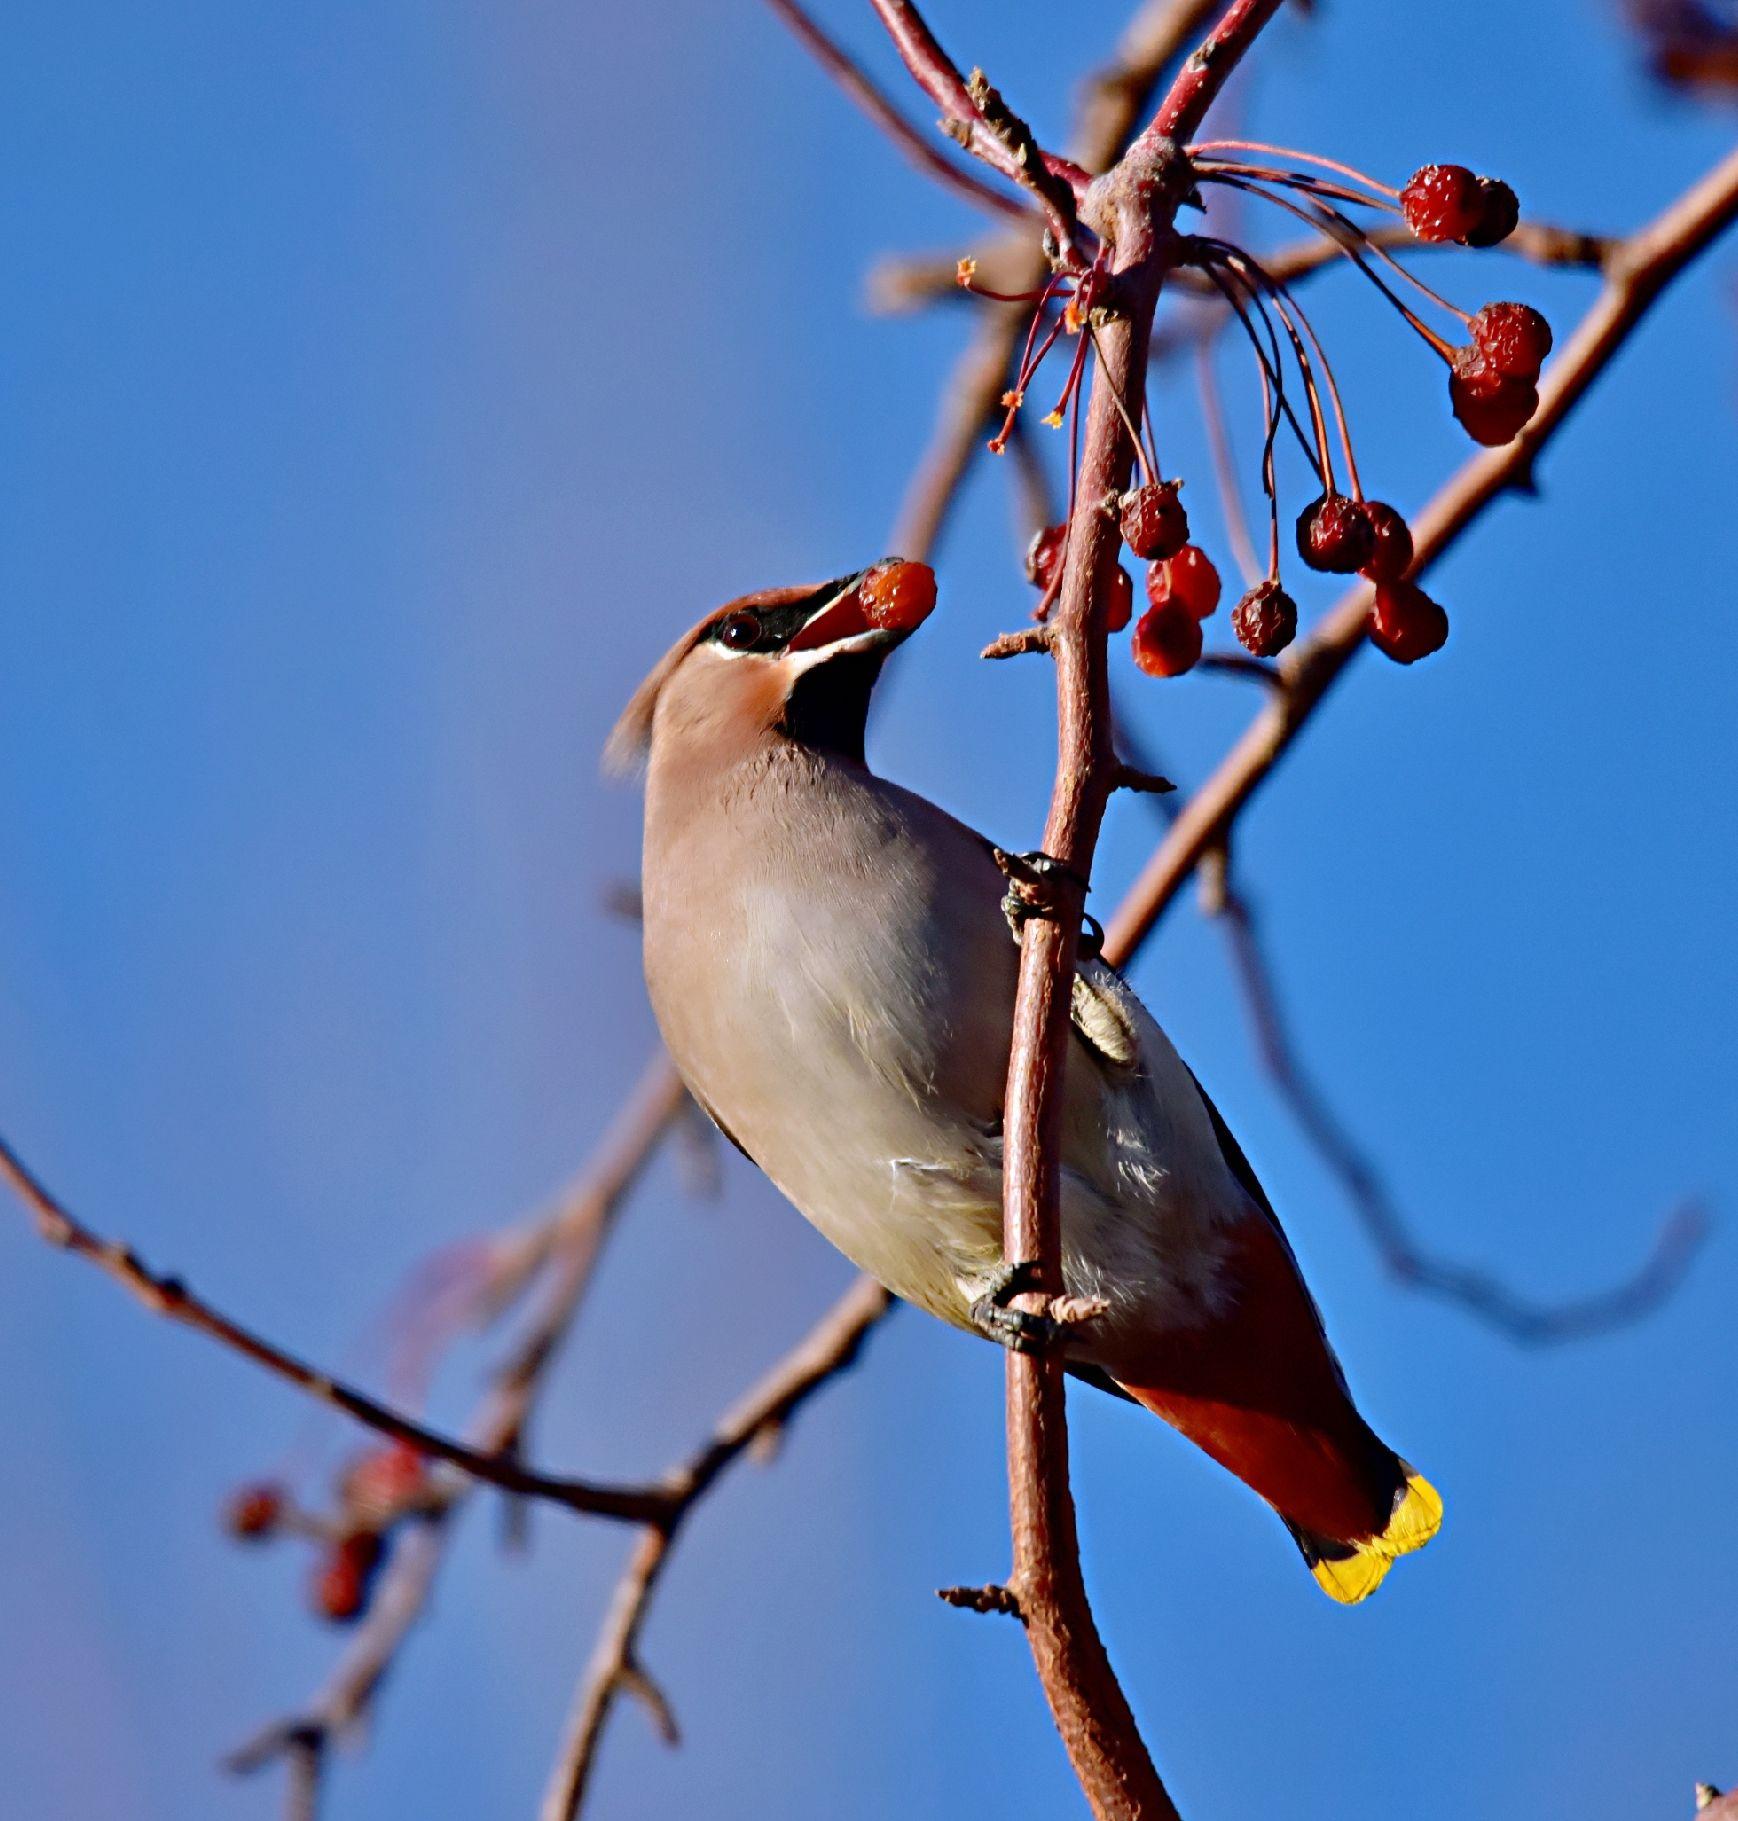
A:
{"x": 1355, "y": 1575}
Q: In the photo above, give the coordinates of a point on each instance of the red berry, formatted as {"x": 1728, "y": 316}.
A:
{"x": 377, "y": 1487}
{"x": 1513, "y": 337}
{"x": 1120, "y": 609}
{"x": 1499, "y": 213}
{"x": 1044, "y": 555}
{"x": 1265, "y": 620}
{"x": 1167, "y": 641}
{"x": 1189, "y": 579}
{"x": 253, "y": 1513}
{"x": 1334, "y": 535}
{"x": 1441, "y": 202}
{"x": 1390, "y": 542}
{"x": 897, "y": 596}
{"x": 1406, "y": 623}
{"x": 343, "y": 1579}
{"x": 1154, "y": 524}
{"x": 1492, "y": 408}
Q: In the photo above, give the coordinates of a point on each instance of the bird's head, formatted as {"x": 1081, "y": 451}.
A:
{"x": 793, "y": 662}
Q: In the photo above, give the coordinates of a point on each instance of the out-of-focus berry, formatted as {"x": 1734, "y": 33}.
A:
{"x": 344, "y": 1576}
{"x": 383, "y": 1481}
{"x": 1044, "y": 554}
{"x": 1121, "y": 605}
{"x": 253, "y": 1513}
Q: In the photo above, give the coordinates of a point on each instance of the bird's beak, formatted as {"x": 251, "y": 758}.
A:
{"x": 882, "y": 605}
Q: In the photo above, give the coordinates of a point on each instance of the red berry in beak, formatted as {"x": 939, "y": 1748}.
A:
{"x": 1166, "y": 641}
{"x": 1499, "y": 214}
{"x": 254, "y": 1512}
{"x": 1405, "y": 623}
{"x": 897, "y": 596}
{"x": 1121, "y": 605}
{"x": 1044, "y": 555}
{"x": 1442, "y": 202}
{"x": 1265, "y": 620}
{"x": 1187, "y": 579}
{"x": 1334, "y": 535}
{"x": 1390, "y": 542}
{"x": 1154, "y": 524}
{"x": 1513, "y": 337}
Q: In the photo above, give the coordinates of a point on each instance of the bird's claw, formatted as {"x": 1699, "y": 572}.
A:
{"x": 1035, "y": 889}
{"x": 1015, "y": 1329}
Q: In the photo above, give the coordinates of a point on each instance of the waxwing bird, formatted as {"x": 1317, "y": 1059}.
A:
{"x": 833, "y": 971}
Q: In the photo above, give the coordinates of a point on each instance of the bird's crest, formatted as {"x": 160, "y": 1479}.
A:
{"x": 625, "y": 749}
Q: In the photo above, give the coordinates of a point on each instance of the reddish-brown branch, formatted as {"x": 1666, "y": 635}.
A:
{"x": 1637, "y": 270}
{"x": 869, "y": 96}
{"x": 1114, "y": 102}
{"x": 914, "y": 280}
{"x": 1131, "y": 209}
{"x": 1206, "y": 72}
{"x": 830, "y": 1347}
{"x": 577, "y": 1229}
{"x": 170, "y": 1297}
{"x": 964, "y": 118}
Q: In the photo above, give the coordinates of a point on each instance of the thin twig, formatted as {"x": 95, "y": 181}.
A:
{"x": 1114, "y": 102}
{"x": 170, "y": 1297}
{"x": 582, "y": 1221}
{"x": 1022, "y": 162}
{"x": 912, "y": 281}
{"x": 829, "y": 1348}
{"x": 873, "y": 100}
{"x": 1529, "y": 1320}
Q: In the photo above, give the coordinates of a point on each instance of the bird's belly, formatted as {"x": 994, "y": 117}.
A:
{"x": 907, "y": 1191}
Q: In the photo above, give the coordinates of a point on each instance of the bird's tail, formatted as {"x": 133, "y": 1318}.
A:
{"x": 1350, "y": 1572}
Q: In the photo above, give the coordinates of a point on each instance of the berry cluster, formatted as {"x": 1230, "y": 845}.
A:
{"x": 374, "y": 1494}
{"x": 1493, "y": 380}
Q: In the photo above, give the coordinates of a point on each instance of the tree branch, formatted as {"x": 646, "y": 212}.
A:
{"x": 873, "y": 101}
{"x": 829, "y": 1348}
{"x": 582, "y": 1221}
{"x": 170, "y": 1297}
{"x": 1528, "y": 1320}
{"x": 1111, "y": 109}
{"x": 1131, "y": 209}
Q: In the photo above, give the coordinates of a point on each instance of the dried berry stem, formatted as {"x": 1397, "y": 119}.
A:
{"x": 1211, "y": 146}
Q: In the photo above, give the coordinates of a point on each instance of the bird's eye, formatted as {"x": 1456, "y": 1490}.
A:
{"x": 741, "y": 632}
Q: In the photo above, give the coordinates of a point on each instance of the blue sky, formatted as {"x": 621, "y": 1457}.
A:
{"x": 383, "y": 389}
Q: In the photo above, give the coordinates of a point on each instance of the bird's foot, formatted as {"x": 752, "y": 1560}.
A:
{"x": 1016, "y": 1329}
{"x": 1037, "y": 885}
